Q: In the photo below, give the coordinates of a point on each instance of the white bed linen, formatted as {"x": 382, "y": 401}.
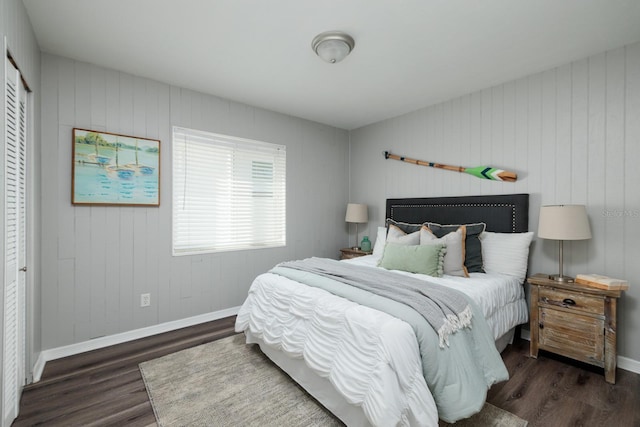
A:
{"x": 369, "y": 357}
{"x": 500, "y": 296}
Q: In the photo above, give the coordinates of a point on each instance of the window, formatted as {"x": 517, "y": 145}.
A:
{"x": 228, "y": 193}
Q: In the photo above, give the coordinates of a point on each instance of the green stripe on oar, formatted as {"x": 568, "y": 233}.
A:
{"x": 486, "y": 172}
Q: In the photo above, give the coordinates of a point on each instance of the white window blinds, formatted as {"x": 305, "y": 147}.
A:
{"x": 228, "y": 193}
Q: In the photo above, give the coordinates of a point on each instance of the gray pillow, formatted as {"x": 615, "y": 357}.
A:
{"x": 397, "y": 235}
{"x": 473, "y": 246}
{"x": 454, "y": 259}
{"x": 406, "y": 227}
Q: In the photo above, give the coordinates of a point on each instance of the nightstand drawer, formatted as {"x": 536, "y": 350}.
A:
{"x": 571, "y": 335}
{"x": 571, "y": 300}
{"x": 349, "y": 253}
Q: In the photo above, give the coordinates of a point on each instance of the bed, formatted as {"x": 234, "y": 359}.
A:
{"x": 368, "y": 358}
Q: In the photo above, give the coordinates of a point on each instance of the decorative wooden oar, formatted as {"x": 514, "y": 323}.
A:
{"x": 486, "y": 172}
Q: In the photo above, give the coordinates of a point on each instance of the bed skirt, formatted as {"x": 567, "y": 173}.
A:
{"x": 322, "y": 390}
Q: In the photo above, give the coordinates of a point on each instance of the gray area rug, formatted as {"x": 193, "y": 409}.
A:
{"x": 228, "y": 383}
{"x": 490, "y": 416}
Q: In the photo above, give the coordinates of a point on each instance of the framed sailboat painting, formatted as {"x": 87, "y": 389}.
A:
{"x": 113, "y": 169}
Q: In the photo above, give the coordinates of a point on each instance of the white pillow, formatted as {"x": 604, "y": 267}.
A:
{"x": 454, "y": 241}
{"x": 506, "y": 253}
{"x": 396, "y": 235}
{"x": 381, "y": 239}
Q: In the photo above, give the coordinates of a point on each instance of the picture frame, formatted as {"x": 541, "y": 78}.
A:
{"x": 114, "y": 170}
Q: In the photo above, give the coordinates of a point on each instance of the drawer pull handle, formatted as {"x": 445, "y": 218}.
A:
{"x": 541, "y": 325}
{"x": 569, "y": 301}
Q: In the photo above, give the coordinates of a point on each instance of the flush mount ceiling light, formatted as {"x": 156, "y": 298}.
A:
{"x": 333, "y": 46}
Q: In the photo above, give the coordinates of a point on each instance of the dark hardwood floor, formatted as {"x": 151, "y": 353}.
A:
{"x": 558, "y": 392}
{"x": 104, "y": 387}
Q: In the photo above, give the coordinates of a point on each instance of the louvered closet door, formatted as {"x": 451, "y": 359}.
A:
{"x": 15, "y": 243}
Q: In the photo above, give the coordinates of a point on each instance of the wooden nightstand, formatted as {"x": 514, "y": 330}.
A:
{"x": 575, "y": 321}
{"x": 348, "y": 253}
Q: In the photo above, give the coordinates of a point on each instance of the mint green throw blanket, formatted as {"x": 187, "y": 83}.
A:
{"x": 459, "y": 375}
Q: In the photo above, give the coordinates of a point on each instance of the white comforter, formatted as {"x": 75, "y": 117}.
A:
{"x": 370, "y": 358}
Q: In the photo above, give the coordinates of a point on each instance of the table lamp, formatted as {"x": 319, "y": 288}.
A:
{"x": 356, "y": 213}
{"x": 563, "y": 222}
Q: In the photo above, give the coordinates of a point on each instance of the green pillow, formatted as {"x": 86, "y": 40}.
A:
{"x": 424, "y": 259}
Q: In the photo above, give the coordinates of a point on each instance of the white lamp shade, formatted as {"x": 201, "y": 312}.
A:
{"x": 357, "y": 213}
{"x": 564, "y": 222}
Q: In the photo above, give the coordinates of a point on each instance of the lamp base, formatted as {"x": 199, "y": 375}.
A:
{"x": 560, "y": 278}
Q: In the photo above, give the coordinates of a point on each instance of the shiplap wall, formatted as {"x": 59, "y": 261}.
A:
{"x": 21, "y": 40}
{"x": 21, "y": 43}
{"x": 96, "y": 261}
{"x": 571, "y": 133}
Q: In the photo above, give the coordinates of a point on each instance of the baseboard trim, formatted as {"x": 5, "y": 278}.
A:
{"x": 625, "y": 363}
{"x": 69, "y": 350}
{"x": 629, "y": 364}
{"x": 97, "y": 343}
{"x": 38, "y": 368}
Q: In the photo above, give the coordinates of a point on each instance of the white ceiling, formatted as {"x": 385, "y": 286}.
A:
{"x": 409, "y": 53}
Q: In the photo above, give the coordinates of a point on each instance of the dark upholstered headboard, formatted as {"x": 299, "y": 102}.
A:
{"x": 507, "y": 213}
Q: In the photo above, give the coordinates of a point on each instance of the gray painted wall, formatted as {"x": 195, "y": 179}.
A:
{"x": 96, "y": 261}
{"x": 573, "y": 136}
{"x": 21, "y": 44}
